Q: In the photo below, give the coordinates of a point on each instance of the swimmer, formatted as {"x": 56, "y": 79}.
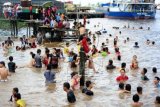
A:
{"x": 75, "y": 78}
{"x": 110, "y": 65}
{"x": 49, "y": 75}
{"x": 134, "y": 64}
{"x": 4, "y": 73}
{"x": 144, "y": 77}
{"x": 156, "y": 82}
{"x": 127, "y": 89}
{"x": 107, "y": 41}
{"x": 91, "y": 64}
{"x": 14, "y": 92}
{"x": 87, "y": 89}
{"x": 110, "y": 35}
{"x": 154, "y": 69}
{"x": 121, "y": 88}
{"x": 153, "y": 43}
{"x": 38, "y": 59}
{"x": 139, "y": 90}
{"x": 148, "y": 28}
{"x": 118, "y": 54}
{"x": 120, "y": 32}
{"x": 11, "y": 65}
{"x": 128, "y": 39}
{"x": 136, "y": 102}
{"x": 157, "y": 101}
{"x": 70, "y": 94}
{"x": 136, "y": 45}
{"x": 125, "y": 41}
{"x": 19, "y": 101}
{"x": 148, "y": 42}
{"x": 122, "y": 78}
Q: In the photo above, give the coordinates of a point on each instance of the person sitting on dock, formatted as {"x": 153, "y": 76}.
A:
{"x": 82, "y": 30}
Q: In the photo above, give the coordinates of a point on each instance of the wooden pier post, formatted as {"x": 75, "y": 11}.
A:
{"x": 82, "y": 66}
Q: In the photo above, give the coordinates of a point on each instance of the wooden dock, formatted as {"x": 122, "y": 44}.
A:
{"x": 73, "y": 15}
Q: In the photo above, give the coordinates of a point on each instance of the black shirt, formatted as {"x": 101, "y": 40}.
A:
{"x": 109, "y": 67}
{"x": 71, "y": 97}
{"x": 87, "y": 92}
{"x": 11, "y": 66}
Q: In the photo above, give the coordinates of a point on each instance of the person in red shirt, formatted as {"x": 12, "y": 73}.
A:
{"x": 85, "y": 45}
{"x": 122, "y": 78}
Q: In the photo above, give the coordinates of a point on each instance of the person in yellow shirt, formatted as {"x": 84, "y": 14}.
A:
{"x": 19, "y": 101}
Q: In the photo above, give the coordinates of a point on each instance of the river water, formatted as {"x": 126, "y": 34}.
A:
{"x": 31, "y": 82}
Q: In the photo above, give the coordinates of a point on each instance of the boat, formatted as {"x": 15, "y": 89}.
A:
{"x": 129, "y": 9}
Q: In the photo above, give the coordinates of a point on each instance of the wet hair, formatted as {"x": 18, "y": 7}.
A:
{"x": 33, "y": 55}
{"x": 119, "y": 57}
{"x": 136, "y": 43}
{"x": 110, "y": 62}
{"x": 123, "y": 65}
{"x": 153, "y": 43}
{"x": 73, "y": 74}
{"x": 116, "y": 49}
{"x": 11, "y": 58}
{"x": 3, "y": 63}
{"x": 135, "y": 98}
{"x": 49, "y": 67}
{"x": 128, "y": 87}
{"x": 139, "y": 89}
{"x": 127, "y": 38}
{"x": 16, "y": 89}
{"x": 158, "y": 99}
{"x": 144, "y": 70}
{"x": 157, "y": 78}
{"x": 18, "y": 96}
{"x": 88, "y": 83}
{"x": 154, "y": 69}
{"x": 66, "y": 85}
{"x": 38, "y": 51}
{"x": 121, "y": 85}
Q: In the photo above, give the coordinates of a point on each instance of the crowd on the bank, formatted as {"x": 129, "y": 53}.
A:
{"x": 86, "y": 44}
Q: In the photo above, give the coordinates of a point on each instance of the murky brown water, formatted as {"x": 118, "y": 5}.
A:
{"x": 31, "y": 82}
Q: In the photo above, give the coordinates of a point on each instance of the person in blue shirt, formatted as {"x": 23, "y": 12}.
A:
{"x": 49, "y": 76}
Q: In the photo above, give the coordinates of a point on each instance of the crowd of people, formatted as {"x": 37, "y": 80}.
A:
{"x": 52, "y": 59}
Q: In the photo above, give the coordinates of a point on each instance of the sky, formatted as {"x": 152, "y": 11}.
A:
{"x": 86, "y": 2}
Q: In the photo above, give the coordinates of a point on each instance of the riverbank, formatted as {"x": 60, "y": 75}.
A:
{"x": 5, "y": 24}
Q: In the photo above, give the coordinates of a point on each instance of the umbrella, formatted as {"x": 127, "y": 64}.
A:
{"x": 7, "y": 4}
{"x": 47, "y": 4}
